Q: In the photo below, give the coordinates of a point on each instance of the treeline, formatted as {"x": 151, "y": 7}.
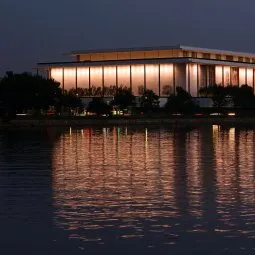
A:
{"x": 32, "y": 93}
{"x": 25, "y": 92}
{"x": 230, "y": 96}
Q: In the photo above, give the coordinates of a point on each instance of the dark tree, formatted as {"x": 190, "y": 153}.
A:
{"x": 239, "y": 97}
{"x": 20, "y": 92}
{"x": 149, "y": 99}
{"x": 242, "y": 97}
{"x": 181, "y": 102}
{"x": 69, "y": 101}
{"x": 99, "y": 106}
{"x": 217, "y": 93}
{"x": 123, "y": 98}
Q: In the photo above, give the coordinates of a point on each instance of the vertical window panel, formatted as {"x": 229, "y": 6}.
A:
{"x": 193, "y": 69}
{"x": 250, "y": 77}
{"x": 123, "y": 76}
{"x": 218, "y": 75}
{"x": 137, "y": 77}
{"x": 109, "y": 80}
{"x": 234, "y": 76}
{"x": 180, "y": 76}
{"x": 69, "y": 78}
{"x": 109, "y": 76}
{"x": 152, "y": 78}
{"x": 166, "y": 79}
{"x": 242, "y": 74}
{"x": 226, "y": 76}
{"x": 96, "y": 76}
{"x": 83, "y": 77}
{"x": 57, "y": 75}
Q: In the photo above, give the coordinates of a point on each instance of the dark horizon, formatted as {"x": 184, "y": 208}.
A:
{"x": 33, "y": 33}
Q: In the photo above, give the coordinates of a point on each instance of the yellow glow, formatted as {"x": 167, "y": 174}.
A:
{"x": 69, "y": 78}
{"x": 226, "y": 75}
{"x": 216, "y": 130}
{"x": 218, "y": 75}
{"x": 193, "y": 79}
{"x": 194, "y": 178}
{"x": 96, "y": 76}
{"x": 109, "y": 75}
{"x": 123, "y": 75}
{"x": 166, "y": 76}
{"x": 231, "y": 136}
{"x": 152, "y": 77}
{"x": 241, "y": 76}
{"x": 250, "y": 76}
{"x": 83, "y": 77}
{"x": 231, "y": 114}
{"x": 137, "y": 78}
{"x": 57, "y": 74}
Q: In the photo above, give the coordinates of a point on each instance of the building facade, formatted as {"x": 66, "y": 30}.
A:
{"x": 159, "y": 69}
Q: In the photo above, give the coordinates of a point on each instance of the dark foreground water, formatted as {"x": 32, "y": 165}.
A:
{"x": 128, "y": 191}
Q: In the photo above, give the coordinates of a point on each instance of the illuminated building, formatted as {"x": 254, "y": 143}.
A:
{"x": 159, "y": 69}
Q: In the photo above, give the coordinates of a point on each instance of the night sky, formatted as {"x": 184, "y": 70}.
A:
{"x": 40, "y": 31}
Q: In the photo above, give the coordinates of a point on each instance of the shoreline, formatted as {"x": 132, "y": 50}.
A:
{"x": 78, "y": 122}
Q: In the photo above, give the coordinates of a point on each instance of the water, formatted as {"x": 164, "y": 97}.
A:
{"x": 128, "y": 190}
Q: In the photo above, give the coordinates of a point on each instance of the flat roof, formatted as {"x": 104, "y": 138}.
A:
{"x": 146, "y": 61}
{"x": 175, "y": 47}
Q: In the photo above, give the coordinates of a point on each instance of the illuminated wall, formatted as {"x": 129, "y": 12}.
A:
{"x": 109, "y": 76}
{"x": 166, "y": 79}
{"x": 226, "y": 75}
{"x": 123, "y": 75}
{"x": 234, "y": 76}
{"x": 161, "y": 78}
{"x": 152, "y": 77}
{"x": 193, "y": 69}
{"x": 137, "y": 78}
{"x": 83, "y": 77}
{"x": 57, "y": 74}
{"x": 96, "y": 76}
{"x": 69, "y": 78}
{"x": 242, "y": 74}
{"x": 218, "y": 75}
{"x": 250, "y": 77}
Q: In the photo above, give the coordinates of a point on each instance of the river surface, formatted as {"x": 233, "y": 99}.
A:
{"x": 126, "y": 190}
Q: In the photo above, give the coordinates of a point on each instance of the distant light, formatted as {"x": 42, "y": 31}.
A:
{"x": 231, "y": 114}
{"x": 216, "y": 114}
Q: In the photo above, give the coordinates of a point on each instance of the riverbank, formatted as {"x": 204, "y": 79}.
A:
{"x": 108, "y": 121}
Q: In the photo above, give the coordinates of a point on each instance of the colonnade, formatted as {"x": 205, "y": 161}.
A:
{"x": 162, "y": 78}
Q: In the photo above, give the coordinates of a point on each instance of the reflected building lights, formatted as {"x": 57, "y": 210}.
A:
{"x": 194, "y": 181}
{"x": 121, "y": 181}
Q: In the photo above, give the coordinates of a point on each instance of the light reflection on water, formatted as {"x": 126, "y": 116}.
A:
{"x": 156, "y": 188}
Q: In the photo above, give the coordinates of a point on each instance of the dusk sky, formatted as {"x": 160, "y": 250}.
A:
{"x": 42, "y": 31}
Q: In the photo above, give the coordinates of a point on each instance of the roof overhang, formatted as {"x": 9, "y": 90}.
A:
{"x": 145, "y": 61}
{"x": 162, "y": 48}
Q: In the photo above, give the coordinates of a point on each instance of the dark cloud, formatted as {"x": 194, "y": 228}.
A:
{"x": 38, "y": 31}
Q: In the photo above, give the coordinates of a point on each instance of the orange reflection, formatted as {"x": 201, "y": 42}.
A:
{"x": 119, "y": 178}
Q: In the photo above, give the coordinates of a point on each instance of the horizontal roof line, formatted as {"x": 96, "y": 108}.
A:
{"x": 176, "y": 47}
{"x": 148, "y": 61}
{"x": 91, "y": 51}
